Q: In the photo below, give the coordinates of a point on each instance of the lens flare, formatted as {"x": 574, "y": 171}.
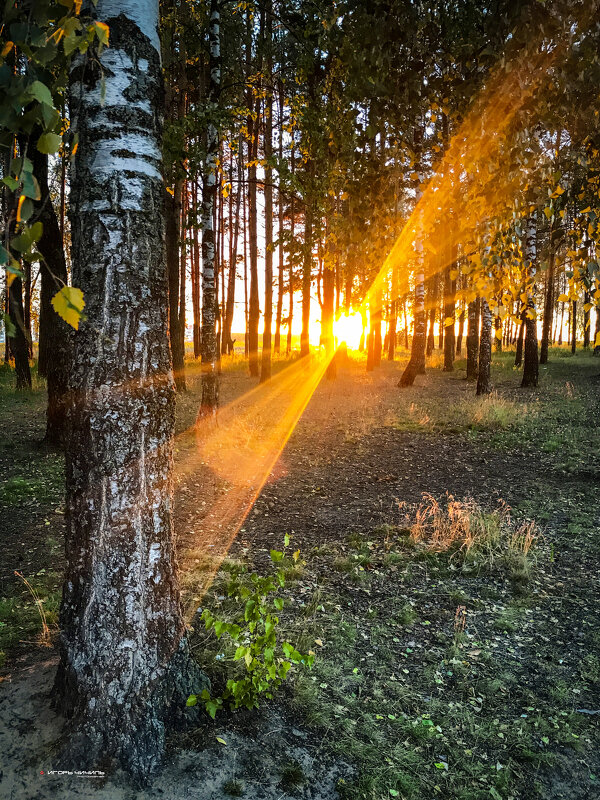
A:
{"x": 349, "y": 329}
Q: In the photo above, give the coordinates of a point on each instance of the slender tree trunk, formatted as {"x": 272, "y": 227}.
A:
{"x": 55, "y": 336}
{"x": 597, "y": 332}
{"x": 230, "y": 307}
{"x": 485, "y": 350}
{"x": 416, "y": 364}
{"x": 172, "y": 239}
{"x": 520, "y": 340}
{"x": 449, "y": 313}
{"x": 574, "y": 327}
{"x": 586, "y": 320}
{"x": 124, "y": 668}
{"x": 280, "y": 203}
{"x": 461, "y": 328}
{"x": 19, "y": 344}
{"x": 288, "y": 348}
{"x": 265, "y": 372}
{"x": 327, "y": 318}
{"x": 530, "y": 352}
{"x": 253, "y": 124}
{"x": 473, "y": 314}
{"x": 196, "y": 315}
{"x": 307, "y": 263}
{"x": 209, "y": 348}
{"x": 392, "y": 329}
{"x": 549, "y": 302}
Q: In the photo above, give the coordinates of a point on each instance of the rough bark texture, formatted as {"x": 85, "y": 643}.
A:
{"x": 307, "y": 263}
{"x": 55, "y": 337}
{"x": 208, "y": 344}
{"x": 473, "y": 339}
{"x": 530, "y": 353}
{"x": 124, "y": 665}
{"x": 485, "y": 350}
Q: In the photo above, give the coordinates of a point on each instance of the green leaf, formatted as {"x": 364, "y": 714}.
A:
{"x": 276, "y": 555}
{"x": 69, "y": 304}
{"x": 31, "y": 187}
{"x": 12, "y": 183}
{"x": 49, "y": 143}
{"x": 191, "y": 701}
{"x": 24, "y": 241}
{"x": 40, "y": 92}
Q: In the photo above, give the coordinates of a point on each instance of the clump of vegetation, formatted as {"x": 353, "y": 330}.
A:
{"x": 478, "y": 539}
{"x": 251, "y": 649}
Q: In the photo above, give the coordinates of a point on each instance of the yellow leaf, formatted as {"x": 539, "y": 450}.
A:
{"x": 586, "y": 210}
{"x": 19, "y": 207}
{"x": 588, "y": 306}
{"x": 69, "y": 305}
{"x": 6, "y": 49}
{"x": 563, "y": 298}
{"x": 498, "y": 333}
{"x": 102, "y": 32}
{"x": 597, "y": 342}
{"x": 453, "y": 274}
{"x": 319, "y": 642}
{"x": 448, "y": 321}
{"x": 548, "y": 212}
{"x": 221, "y": 741}
{"x": 523, "y": 297}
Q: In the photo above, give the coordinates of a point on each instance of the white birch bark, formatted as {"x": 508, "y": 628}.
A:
{"x": 123, "y": 653}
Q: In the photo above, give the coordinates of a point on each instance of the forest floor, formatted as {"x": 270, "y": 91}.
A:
{"x": 439, "y": 672}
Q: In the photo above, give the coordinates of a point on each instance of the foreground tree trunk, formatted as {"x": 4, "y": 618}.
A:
{"x": 124, "y": 665}
{"x": 209, "y": 352}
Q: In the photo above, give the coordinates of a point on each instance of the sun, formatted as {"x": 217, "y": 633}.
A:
{"x": 349, "y": 328}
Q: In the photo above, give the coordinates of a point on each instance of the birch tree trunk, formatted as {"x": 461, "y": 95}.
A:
{"x": 473, "y": 339}
{"x": 208, "y": 346}
{"x": 530, "y": 353}
{"x": 485, "y": 350}
{"x": 124, "y": 666}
